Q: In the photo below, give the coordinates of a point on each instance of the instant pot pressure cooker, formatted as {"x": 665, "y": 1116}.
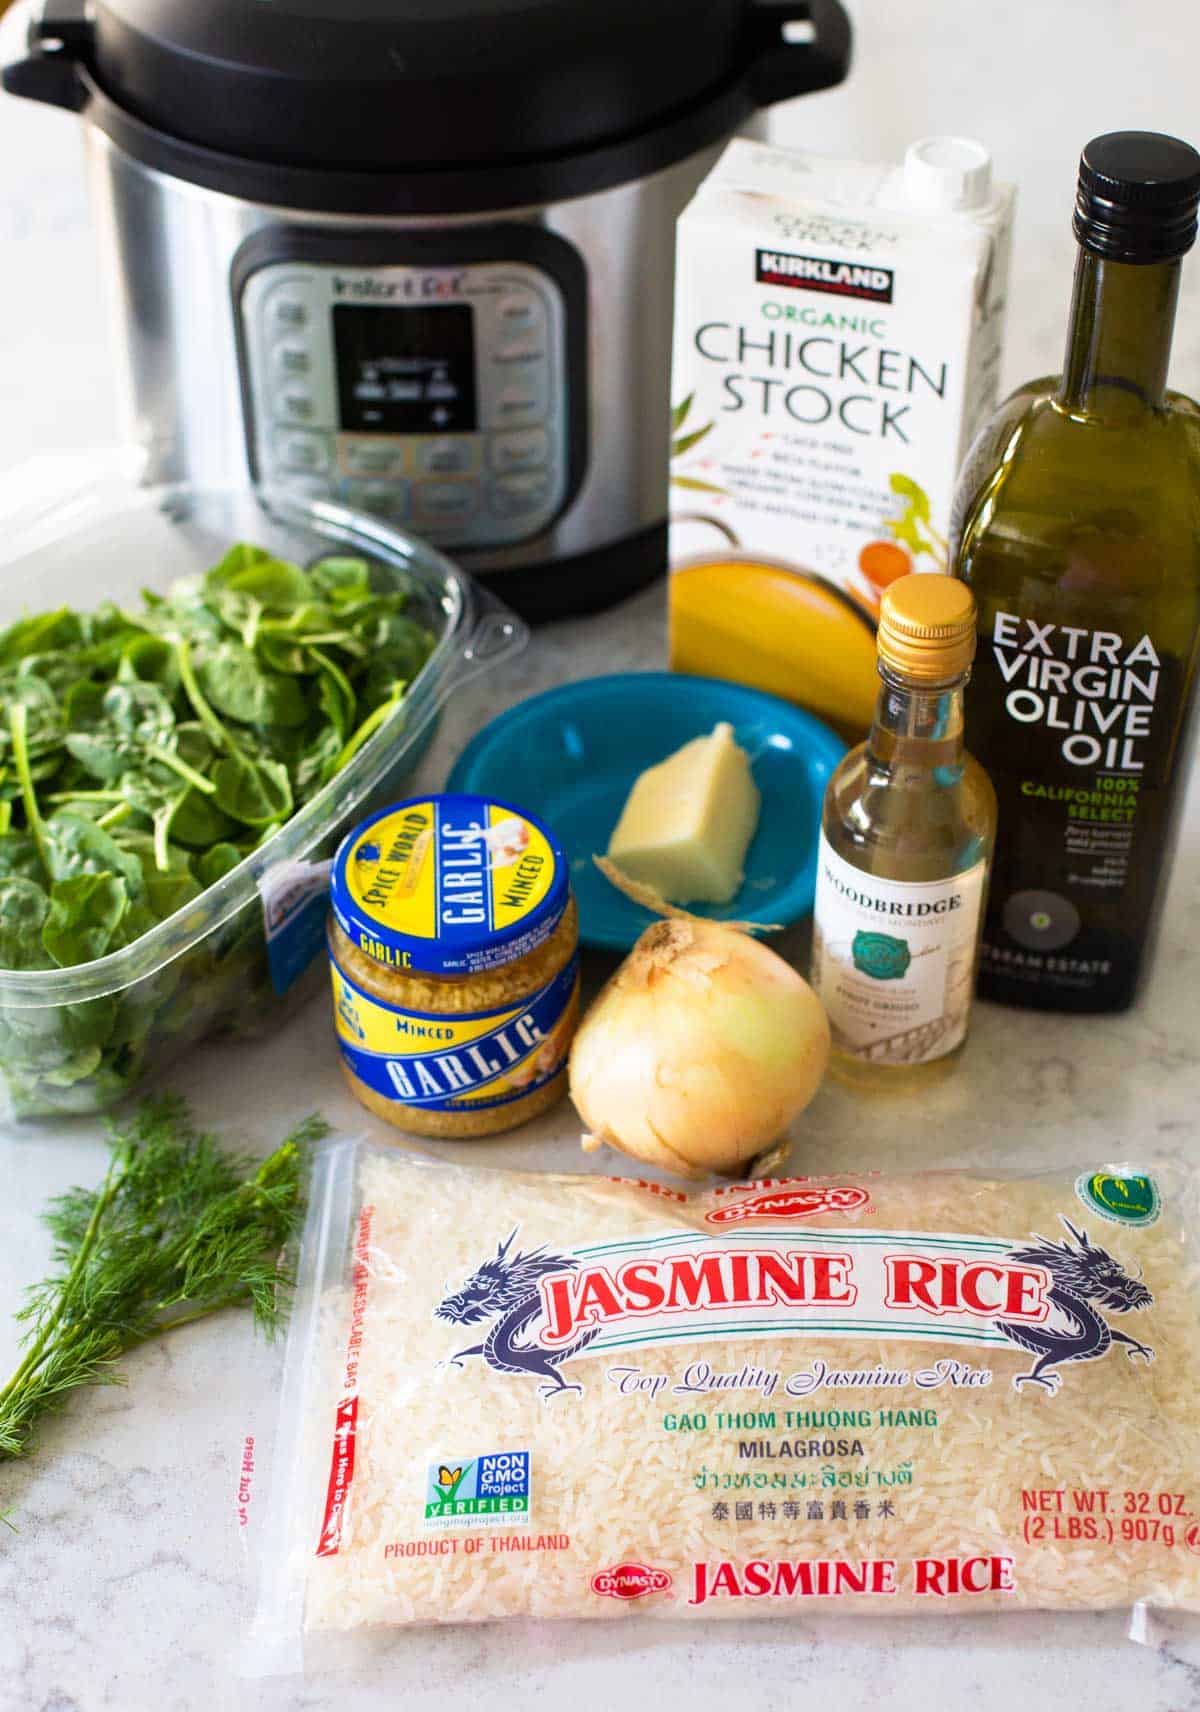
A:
{"x": 417, "y": 254}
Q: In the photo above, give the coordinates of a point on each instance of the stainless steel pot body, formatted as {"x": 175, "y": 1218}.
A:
{"x": 169, "y": 250}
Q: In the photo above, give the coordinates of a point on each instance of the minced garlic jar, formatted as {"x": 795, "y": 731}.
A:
{"x": 454, "y": 947}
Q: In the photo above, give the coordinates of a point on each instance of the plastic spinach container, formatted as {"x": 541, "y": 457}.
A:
{"x": 240, "y": 956}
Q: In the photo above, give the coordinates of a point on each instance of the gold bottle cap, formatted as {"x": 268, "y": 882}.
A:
{"x": 927, "y": 627}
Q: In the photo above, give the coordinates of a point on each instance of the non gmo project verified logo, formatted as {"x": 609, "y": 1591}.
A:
{"x": 481, "y": 1490}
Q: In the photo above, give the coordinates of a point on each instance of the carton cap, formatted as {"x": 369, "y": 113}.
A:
{"x": 947, "y": 174}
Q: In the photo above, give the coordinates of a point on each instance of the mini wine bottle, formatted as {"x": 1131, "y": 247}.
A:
{"x": 906, "y": 841}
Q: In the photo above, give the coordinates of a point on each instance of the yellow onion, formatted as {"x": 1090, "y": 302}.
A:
{"x": 699, "y": 1051}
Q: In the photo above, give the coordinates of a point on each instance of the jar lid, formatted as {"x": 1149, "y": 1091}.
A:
{"x": 449, "y": 885}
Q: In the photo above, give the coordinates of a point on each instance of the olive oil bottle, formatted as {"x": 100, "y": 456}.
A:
{"x": 1077, "y": 526}
{"x": 906, "y": 840}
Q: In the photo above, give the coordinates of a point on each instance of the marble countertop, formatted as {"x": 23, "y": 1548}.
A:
{"x": 125, "y": 1588}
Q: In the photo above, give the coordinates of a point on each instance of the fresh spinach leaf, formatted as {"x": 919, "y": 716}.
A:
{"x": 24, "y": 907}
{"x": 43, "y": 633}
{"x": 341, "y": 579}
{"x": 214, "y": 864}
{"x": 76, "y": 846}
{"x": 199, "y": 821}
{"x": 43, "y": 720}
{"x": 236, "y": 684}
{"x": 84, "y": 915}
{"x": 253, "y": 791}
{"x": 150, "y": 660}
{"x": 335, "y": 695}
{"x": 273, "y": 583}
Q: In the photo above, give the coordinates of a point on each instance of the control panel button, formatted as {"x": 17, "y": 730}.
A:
{"x": 525, "y": 450}
{"x": 519, "y": 495}
{"x": 383, "y": 498}
{"x": 522, "y": 402}
{"x": 291, "y": 357}
{"x": 518, "y": 312}
{"x": 295, "y": 404}
{"x": 287, "y": 310}
{"x": 373, "y": 457}
{"x": 521, "y": 348}
{"x": 306, "y": 453}
{"x": 447, "y": 498}
{"x": 446, "y": 457}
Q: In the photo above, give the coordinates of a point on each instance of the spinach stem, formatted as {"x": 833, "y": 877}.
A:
{"x": 18, "y": 724}
{"x": 86, "y": 796}
{"x": 370, "y": 725}
{"x": 208, "y": 719}
{"x": 335, "y": 673}
{"x": 177, "y": 765}
{"x": 162, "y": 828}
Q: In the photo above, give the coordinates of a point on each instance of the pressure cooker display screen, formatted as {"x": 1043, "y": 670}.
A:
{"x": 406, "y": 370}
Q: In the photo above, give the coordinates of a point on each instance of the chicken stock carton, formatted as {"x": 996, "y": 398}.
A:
{"x": 837, "y": 342}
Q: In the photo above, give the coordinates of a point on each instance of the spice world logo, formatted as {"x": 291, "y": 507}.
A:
{"x": 790, "y": 1204}
{"x": 819, "y": 273}
{"x": 631, "y": 1581}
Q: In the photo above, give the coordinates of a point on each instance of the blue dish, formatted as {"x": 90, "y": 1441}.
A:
{"x": 572, "y": 754}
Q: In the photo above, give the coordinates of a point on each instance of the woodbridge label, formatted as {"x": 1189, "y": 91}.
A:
{"x": 894, "y": 961}
{"x": 818, "y": 273}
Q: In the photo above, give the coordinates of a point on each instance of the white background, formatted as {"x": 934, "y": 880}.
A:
{"x": 122, "y": 1590}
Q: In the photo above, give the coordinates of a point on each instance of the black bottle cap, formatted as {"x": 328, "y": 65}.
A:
{"x": 1137, "y": 197}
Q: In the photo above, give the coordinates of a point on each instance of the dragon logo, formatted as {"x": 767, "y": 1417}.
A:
{"x": 507, "y": 1288}
{"x": 1084, "y": 1279}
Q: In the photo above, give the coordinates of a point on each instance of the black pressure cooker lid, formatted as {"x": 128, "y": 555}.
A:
{"x": 434, "y": 86}
{"x": 371, "y": 83}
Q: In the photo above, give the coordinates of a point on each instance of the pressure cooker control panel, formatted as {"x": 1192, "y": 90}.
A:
{"x": 446, "y": 396}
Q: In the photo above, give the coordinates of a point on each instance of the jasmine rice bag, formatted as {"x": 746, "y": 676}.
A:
{"x": 524, "y": 1394}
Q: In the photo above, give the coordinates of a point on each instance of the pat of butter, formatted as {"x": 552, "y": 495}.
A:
{"x": 688, "y": 822}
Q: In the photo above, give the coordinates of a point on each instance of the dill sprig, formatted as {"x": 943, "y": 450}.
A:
{"x": 178, "y": 1229}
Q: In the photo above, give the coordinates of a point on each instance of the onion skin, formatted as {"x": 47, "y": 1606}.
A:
{"x": 700, "y": 1050}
